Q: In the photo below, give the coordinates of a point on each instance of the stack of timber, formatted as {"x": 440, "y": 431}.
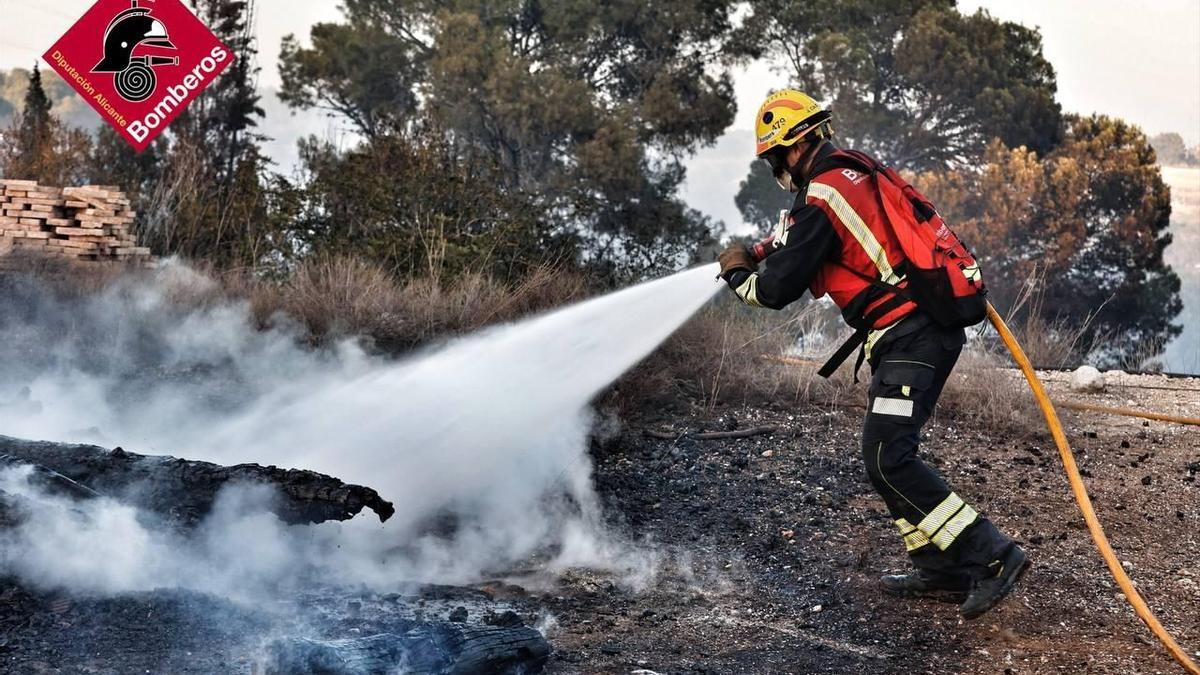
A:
{"x": 89, "y": 223}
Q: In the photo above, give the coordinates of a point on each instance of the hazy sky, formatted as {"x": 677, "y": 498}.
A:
{"x": 1139, "y": 61}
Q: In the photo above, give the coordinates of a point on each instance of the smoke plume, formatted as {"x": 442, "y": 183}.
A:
{"x": 480, "y": 442}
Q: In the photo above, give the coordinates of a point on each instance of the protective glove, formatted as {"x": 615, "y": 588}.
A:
{"x": 736, "y": 257}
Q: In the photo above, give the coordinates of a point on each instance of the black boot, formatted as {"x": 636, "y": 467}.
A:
{"x": 987, "y": 593}
{"x": 925, "y": 584}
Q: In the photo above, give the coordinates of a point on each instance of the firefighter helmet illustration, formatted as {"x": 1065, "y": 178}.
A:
{"x": 134, "y": 74}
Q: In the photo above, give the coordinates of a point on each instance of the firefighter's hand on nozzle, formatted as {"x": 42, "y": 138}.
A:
{"x": 736, "y": 257}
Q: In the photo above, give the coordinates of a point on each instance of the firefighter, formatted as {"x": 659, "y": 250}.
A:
{"x": 835, "y": 241}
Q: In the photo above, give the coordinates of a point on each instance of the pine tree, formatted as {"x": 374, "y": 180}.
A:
{"x": 33, "y": 135}
{"x": 211, "y": 201}
{"x": 588, "y": 107}
{"x": 37, "y": 146}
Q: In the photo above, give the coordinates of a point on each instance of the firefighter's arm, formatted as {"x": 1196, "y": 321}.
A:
{"x": 807, "y": 244}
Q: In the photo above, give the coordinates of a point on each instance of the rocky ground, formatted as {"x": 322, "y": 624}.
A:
{"x": 785, "y": 540}
{"x": 766, "y": 552}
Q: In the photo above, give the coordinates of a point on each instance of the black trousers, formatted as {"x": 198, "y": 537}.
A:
{"x": 942, "y": 533}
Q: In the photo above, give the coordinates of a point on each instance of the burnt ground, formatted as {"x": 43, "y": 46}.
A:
{"x": 178, "y": 632}
{"x": 768, "y": 549}
{"x": 786, "y": 539}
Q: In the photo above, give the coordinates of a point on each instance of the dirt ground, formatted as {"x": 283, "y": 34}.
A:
{"x": 768, "y": 550}
{"x": 786, "y": 539}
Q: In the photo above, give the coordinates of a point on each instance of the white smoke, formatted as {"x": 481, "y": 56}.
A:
{"x": 486, "y": 434}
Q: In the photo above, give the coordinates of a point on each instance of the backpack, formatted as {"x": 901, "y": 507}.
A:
{"x": 944, "y": 278}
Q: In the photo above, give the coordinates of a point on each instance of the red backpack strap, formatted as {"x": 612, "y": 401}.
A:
{"x": 925, "y": 208}
{"x": 864, "y": 161}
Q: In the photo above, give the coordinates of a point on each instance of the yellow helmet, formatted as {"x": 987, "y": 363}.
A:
{"x": 786, "y": 117}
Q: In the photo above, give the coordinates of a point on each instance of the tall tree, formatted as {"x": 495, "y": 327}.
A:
{"x": 914, "y": 82}
{"x": 224, "y": 117}
{"x": 211, "y": 201}
{"x": 590, "y": 106}
{"x": 1092, "y": 216}
{"x": 33, "y": 137}
{"x": 38, "y": 147}
{"x": 357, "y": 70}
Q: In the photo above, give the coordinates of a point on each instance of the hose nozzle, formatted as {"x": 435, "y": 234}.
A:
{"x": 764, "y": 248}
{"x": 767, "y": 246}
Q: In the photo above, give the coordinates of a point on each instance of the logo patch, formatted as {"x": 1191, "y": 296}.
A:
{"x": 139, "y": 63}
{"x": 854, "y": 176}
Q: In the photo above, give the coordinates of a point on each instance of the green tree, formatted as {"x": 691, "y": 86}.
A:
{"x": 913, "y": 82}
{"x": 210, "y": 200}
{"x": 1092, "y": 216}
{"x": 589, "y": 106}
{"x": 38, "y": 147}
{"x": 34, "y": 134}
{"x": 356, "y": 70}
{"x": 414, "y": 205}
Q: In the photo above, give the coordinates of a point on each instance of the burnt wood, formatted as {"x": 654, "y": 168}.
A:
{"x": 183, "y": 491}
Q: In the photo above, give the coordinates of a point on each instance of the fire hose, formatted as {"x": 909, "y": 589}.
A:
{"x": 1085, "y": 502}
{"x": 1088, "y": 407}
{"x": 763, "y": 249}
{"x": 1070, "y": 405}
{"x": 1077, "y": 487}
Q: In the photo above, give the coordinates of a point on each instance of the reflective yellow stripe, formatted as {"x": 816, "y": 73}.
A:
{"x": 955, "y": 527}
{"x": 748, "y": 291}
{"x": 913, "y": 538}
{"x": 856, "y": 226}
{"x": 934, "y": 521}
{"x": 874, "y": 336}
{"x": 865, "y": 237}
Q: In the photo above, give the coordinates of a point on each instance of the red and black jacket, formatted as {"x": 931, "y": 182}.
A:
{"x": 838, "y": 241}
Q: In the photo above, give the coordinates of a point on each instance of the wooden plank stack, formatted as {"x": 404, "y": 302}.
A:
{"x": 89, "y": 223}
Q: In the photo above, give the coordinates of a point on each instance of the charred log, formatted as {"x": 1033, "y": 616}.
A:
{"x": 52, "y": 482}
{"x": 183, "y": 490}
{"x": 441, "y": 649}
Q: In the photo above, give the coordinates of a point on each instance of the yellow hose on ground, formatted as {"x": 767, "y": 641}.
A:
{"x": 1071, "y": 405}
{"x": 1131, "y": 413}
{"x": 1085, "y": 503}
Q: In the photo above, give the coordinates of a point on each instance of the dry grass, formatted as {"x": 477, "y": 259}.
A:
{"x": 732, "y": 355}
{"x": 334, "y": 298}
{"x": 342, "y": 297}
{"x": 727, "y": 355}
{"x": 1048, "y": 343}
{"x": 985, "y": 391}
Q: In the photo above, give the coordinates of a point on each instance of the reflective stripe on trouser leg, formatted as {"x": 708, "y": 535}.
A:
{"x": 947, "y": 520}
{"x": 913, "y": 538}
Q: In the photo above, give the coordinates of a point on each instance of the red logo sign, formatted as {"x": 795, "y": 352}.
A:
{"x": 139, "y": 63}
